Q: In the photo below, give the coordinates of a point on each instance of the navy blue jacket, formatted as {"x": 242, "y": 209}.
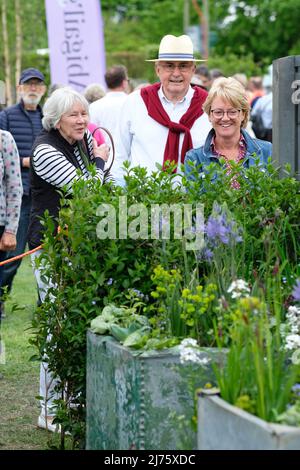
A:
{"x": 16, "y": 120}
{"x": 203, "y": 156}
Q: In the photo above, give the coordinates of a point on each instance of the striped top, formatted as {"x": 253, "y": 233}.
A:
{"x": 53, "y": 167}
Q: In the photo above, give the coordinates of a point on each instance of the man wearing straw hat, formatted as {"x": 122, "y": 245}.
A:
{"x": 161, "y": 122}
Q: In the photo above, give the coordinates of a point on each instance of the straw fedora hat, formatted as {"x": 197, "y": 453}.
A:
{"x": 176, "y": 48}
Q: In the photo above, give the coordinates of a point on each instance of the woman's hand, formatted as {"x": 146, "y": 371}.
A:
{"x": 101, "y": 151}
{"x": 8, "y": 241}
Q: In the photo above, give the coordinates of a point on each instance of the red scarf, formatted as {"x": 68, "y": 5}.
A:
{"x": 157, "y": 112}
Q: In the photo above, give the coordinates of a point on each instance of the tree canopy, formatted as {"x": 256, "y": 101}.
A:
{"x": 267, "y": 28}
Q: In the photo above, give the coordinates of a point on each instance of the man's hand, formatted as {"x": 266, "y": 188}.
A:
{"x": 8, "y": 241}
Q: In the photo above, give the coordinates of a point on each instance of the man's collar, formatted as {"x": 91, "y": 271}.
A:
{"x": 189, "y": 95}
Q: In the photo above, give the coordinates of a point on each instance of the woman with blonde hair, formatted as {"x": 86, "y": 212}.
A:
{"x": 228, "y": 110}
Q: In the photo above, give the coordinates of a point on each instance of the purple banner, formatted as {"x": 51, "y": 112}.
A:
{"x": 76, "y": 42}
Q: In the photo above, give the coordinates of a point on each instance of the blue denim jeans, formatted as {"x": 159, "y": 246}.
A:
{"x": 10, "y": 270}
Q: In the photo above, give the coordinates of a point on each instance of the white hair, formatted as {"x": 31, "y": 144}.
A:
{"x": 60, "y": 102}
{"x": 93, "y": 92}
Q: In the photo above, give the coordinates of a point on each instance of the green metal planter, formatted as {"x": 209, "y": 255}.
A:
{"x": 135, "y": 400}
{"x": 222, "y": 426}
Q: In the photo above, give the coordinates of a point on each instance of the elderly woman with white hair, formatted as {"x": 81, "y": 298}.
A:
{"x": 228, "y": 110}
{"x": 64, "y": 147}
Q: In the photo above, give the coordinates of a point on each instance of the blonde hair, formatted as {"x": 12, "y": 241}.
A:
{"x": 231, "y": 90}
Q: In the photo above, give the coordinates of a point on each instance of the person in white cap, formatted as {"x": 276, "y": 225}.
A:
{"x": 161, "y": 122}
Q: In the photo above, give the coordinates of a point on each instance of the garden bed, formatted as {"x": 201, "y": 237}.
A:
{"x": 222, "y": 426}
{"x": 141, "y": 400}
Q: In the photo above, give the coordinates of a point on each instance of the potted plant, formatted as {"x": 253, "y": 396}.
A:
{"x": 257, "y": 405}
{"x": 137, "y": 393}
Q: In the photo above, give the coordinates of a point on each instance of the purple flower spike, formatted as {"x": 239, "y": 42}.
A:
{"x": 207, "y": 254}
{"x": 296, "y": 291}
{"x": 215, "y": 229}
{"x": 221, "y": 228}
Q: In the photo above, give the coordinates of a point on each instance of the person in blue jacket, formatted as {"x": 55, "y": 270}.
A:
{"x": 24, "y": 121}
{"x": 228, "y": 110}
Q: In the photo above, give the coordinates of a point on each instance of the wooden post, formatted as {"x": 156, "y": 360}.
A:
{"x": 186, "y": 15}
{"x": 286, "y": 112}
{"x": 18, "y": 41}
{"x": 7, "y": 67}
{"x": 203, "y": 25}
{"x": 206, "y": 25}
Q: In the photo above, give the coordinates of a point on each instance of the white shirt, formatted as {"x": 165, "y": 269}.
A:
{"x": 142, "y": 140}
{"x": 263, "y": 106}
{"x": 105, "y": 112}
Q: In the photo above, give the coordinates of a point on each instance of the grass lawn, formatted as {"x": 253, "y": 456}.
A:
{"x": 19, "y": 408}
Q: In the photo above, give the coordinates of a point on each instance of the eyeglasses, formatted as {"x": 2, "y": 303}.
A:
{"x": 182, "y": 66}
{"x": 219, "y": 113}
{"x": 36, "y": 83}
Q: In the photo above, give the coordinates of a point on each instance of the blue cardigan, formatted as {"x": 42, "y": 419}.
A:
{"x": 203, "y": 156}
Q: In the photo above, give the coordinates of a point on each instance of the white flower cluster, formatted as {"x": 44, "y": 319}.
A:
{"x": 292, "y": 339}
{"x": 190, "y": 352}
{"x": 67, "y": 260}
{"x": 292, "y": 342}
{"x": 293, "y": 319}
{"x": 238, "y": 289}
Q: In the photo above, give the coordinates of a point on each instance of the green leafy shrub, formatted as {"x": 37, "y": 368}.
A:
{"x": 175, "y": 289}
{"x": 231, "y": 63}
